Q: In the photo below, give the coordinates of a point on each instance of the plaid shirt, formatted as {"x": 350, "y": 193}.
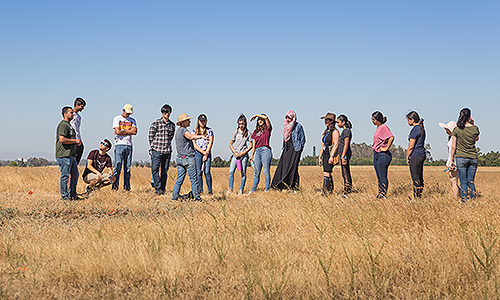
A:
{"x": 161, "y": 135}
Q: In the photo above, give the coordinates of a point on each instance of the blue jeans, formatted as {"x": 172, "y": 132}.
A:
{"x": 68, "y": 167}
{"x": 232, "y": 168}
{"x": 159, "y": 162}
{"x": 381, "y": 162}
{"x": 198, "y": 158}
{"x": 123, "y": 157}
{"x": 262, "y": 158}
{"x": 466, "y": 168}
{"x": 186, "y": 164}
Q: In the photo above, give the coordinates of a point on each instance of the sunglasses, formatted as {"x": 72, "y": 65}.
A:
{"x": 105, "y": 144}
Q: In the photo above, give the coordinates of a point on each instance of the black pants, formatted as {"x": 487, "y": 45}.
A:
{"x": 346, "y": 174}
{"x": 79, "y": 153}
{"x": 417, "y": 175}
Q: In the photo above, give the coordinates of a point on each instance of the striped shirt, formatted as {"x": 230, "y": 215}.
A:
{"x": 161, "y": 134}
{"x": 76, "y": 122}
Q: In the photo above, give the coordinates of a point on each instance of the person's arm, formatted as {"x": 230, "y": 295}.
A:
{"x": 91, "y": 167}
{"x": 321, "y": 154}
{"x": 263, "y": 117}
{"x": 191, "y": 136}
{"x": 389, "y": 144}
{"x": 253, "y": 153}
{"x": 198, "y": 148}
{"x": 152, "y": 133}
{"x": 335, "y": 145}
{"x": 344, "y": 151}
{"x": 131, "y": 131}
{"x": 210, "y": 143}
{"x": 453, "y": 151}
{"x": 67, "y": 141}
{"x": 411, "y": 146}
{"x": 250, "y": 147}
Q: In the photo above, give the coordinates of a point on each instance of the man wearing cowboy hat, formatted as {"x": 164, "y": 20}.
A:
{"x": 185, "y": 156}
{"x": 125, "y": 127}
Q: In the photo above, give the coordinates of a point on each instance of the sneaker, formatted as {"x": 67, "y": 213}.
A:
{"x": 381, "y": 196}
{"x": 345, "y": 196}
{"x": 240, "y": 192}
{"x": 228, "y": 192}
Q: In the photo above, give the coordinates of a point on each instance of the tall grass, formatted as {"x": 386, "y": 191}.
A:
{"x": 269, "y": 245}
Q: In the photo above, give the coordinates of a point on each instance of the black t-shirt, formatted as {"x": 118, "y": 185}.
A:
{"x": 345, "y": 133}
{"x": 99, "y": 162}
{"x": 327, "y": 142}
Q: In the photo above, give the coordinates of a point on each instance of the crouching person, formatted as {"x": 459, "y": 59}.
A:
{"x": 99, "y": 161}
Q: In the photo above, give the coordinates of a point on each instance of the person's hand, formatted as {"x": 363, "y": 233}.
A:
{"x": 344, "y": 161}
{"x": 384, "y": 149}
{"x": 330, "y": 160}
{"x": 99, "y": 176}
{"x": 205, "y": 157}
{"x": 112, "y": 179}
{"x": 320, "y": 161}
{"x": 78, "y": 142}
{"x": 253, "y": 118}
{"x": 237, "y": 155}
{"x": 251, "y": 158}
{"x": 407, "y": 160}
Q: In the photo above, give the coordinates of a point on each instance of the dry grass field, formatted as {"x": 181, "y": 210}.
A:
{"x": 269, "y": 245}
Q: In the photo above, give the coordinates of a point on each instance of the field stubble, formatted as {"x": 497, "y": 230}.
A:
{"x": 267, "y": 245}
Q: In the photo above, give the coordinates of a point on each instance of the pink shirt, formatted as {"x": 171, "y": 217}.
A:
{"x": 262, "y": 138}
{"x": 381, "y": 137}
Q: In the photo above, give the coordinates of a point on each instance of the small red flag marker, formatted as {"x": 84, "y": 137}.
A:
{"x": 30, "y": 192}
{"x": 111, "y": 211}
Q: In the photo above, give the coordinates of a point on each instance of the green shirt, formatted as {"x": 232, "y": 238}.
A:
{"x": 64, "y": 150}
{"x": 466, "y": 141}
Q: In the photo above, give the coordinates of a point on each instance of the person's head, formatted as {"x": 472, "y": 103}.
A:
{"x": 378, "y": 118}
{"x": 183, "y": 120}
{"x": 329, "y": 118}
{"x": 67, "y": 113}
{"x": 290, "y": 116}
{"x": 201, "y": 124}
{"x": 79, "y": 104}
{"x": 343, "y": 122}
{"x": 414, "y": 119}
{"x": 105, "y": 145}
{"x": 261, "y": 124}
{"x": 242, "y": 125}
{"x": 166, "y": 110}
{"x": 448, "y": 127}
{"x": 463, "y": 118}
{"x": 127, "y": 110}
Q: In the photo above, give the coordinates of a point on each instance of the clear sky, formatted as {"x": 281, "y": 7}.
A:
{"x": 226, "y": 57}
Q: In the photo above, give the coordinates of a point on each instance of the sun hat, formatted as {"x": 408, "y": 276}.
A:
{"x": 450, "y": 125}
{"x": 128, "y": 108}
{"x": 328, "y": 116}
{"x": 182, "y": 117}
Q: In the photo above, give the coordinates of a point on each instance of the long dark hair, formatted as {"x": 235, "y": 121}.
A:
{"x": 328, "y": 127}
{"x": 413, "y": 115}
{"x": 379, "y": 117}
{"x": 259, "y": 128}
{"x": 345, "y": 120}
{"x": 244, "y": 119}
{"x": 463, "y": 118}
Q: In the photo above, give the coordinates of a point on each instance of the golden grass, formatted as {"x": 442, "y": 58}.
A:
{"x": 267, "y": 245}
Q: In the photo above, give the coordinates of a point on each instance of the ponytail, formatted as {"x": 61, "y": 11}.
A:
{"x": 345, "y": 120}
{"x": 413, "y": 115}
{"x": 463, "y": 118}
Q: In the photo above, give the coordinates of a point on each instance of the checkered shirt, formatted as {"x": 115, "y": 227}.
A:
{"x": 161, "y": 135}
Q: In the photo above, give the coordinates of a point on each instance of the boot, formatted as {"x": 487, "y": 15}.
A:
{"x": 330, "y": 185}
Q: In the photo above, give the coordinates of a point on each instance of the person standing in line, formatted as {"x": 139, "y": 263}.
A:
{"x": 286, "y": 175}
{"x": 329, "y": 146}
{"x": 240, "y": 145}
{"x": 464, "y": 138}
{"x": 415, "y": 154}
{"x": 79, "y": 106}
{"x": 125, "y": 127}
{"x": 185, "y": 156}
{"x": 345, "y": 152}
{"x": 66, "y": 143}
{"x": 382, "y": 157}
{"x": 262, "y": 150}
{"x": 452, "y": 171}
{"x": 203, "y": 153}
{"x": 161, "y": 133}
{"x": 97, "y": 161}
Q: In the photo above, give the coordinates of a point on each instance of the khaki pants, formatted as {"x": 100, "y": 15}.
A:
{"x": 92, "y": 176}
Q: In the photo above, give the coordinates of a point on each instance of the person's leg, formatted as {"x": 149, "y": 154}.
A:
{"x": 462, "y": 176}
{"x": 79, "y": 153}
{"x": 454, "y": 183}
{"x": 193, "y": 177}
{"x": 232, "y": 168}
{"x": 208, "y": 174}
{"x": 414, "y": 175}
{"x": 74, "y": 177}
{"x": 384, "y": 162}
{"x": 198, "y": 160}
{"x": 267, "y": 156}
{"x": 119, "y": 150}
{"x": 376, "y": 166}
{"x": 155, "y": 170}
{"x": 127, "y": 164}
{"x": 346, "y": 174}
{"x": 257, "y": 168}
{"x": 181, "y": 173}
{"x": 471, "y": 175}
{"x": 244, "y": 162}
{"x": 165, "y": 164}
{"x": 64, "y": 166}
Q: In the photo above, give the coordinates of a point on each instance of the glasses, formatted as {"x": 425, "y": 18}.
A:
{"x": 104, "y": 144}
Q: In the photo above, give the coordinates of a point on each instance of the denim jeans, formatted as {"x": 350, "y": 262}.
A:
{"x": 68, "y": 167}
{"x": 262, "y": 158}
{"x": 232, "y": 168}
{"x": 198, "y": 159}
{"x": 159, "y": 162}
{"x": 123, "y": 157}
{"x": 186, "y": 164}
{"x": 466, "y": 168}
{"x": 381, "y": 162}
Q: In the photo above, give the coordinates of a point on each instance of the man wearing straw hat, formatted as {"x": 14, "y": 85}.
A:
{"x": 185, "y": 156}
{"x": 125, "y": 127}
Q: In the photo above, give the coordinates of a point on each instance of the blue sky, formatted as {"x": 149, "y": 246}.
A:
{"x": 226, "y": 57}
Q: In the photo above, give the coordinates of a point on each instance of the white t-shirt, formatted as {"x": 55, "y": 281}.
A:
{"x": 75, "y": 123}
{"x": 123, "y": 123}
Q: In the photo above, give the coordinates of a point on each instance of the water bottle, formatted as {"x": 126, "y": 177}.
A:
{"x": 252, "y": 164}
{"x": 238, "y": 164}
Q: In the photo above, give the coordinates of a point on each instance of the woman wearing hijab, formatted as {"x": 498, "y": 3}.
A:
{"x": 294, "y": 139}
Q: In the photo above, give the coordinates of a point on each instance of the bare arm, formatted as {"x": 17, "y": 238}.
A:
{"x": 210, "y": 143}
{"x": 411, "y": 146}
{"x": 131, "y": 131}
{"x": 344, "y": 151}
{"x": 453, "y": 150}
{"x": 91, "y": 167}
{"x": 250, "y": 147}
{"x": 263, "y": 117}
{"x": 66, "y": 141}
{"x": 191, "y": 136}
{"x": 389, "y": 144}
{"x": 320, "y": 153}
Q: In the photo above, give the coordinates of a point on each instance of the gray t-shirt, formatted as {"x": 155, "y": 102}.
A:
{"x": 239, "y": 141}
{"x": 345, "y": 133}
{"x": 183, "y": 145}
